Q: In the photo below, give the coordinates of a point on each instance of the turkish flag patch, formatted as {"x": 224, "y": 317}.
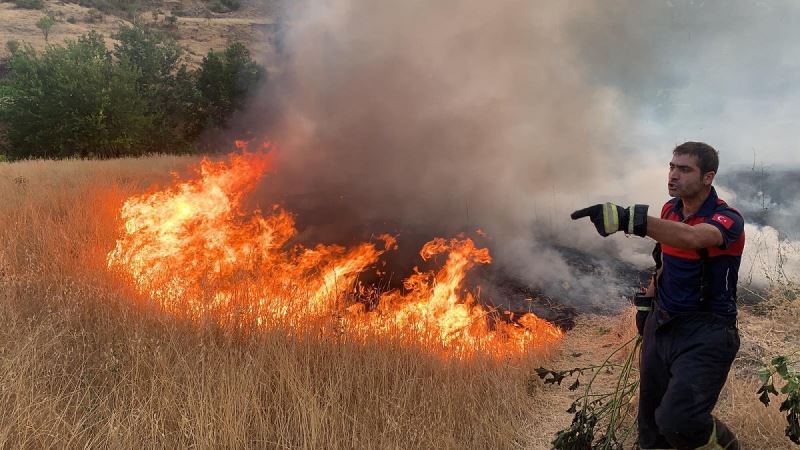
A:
{"x": 726, "y": 221}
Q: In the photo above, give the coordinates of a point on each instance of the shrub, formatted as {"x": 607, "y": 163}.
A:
{"x": 73, "y": 100}
{"x": 224, "y": 81}
{"x": 72, "y": 20}
{"x": 12, "y": 45}
{"x": 94, "y": 16}
{"x": 162, "y": 79}
{"x": 107, "y": 6}
{"x": 80, "y": 99}
{"x": 29, "y": 4}
{"x": 224, "y": 6}
{"x": 44, "y": 24}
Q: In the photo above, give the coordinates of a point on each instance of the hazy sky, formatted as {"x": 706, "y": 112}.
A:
{"x": 725, "y": 72}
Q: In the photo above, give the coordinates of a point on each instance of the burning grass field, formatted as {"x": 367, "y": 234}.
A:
{"x": 88, "y": 361}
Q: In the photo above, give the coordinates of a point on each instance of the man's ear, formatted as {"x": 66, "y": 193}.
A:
{"x": 708, "y": 178}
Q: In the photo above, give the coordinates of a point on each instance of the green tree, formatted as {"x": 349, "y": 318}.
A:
{"x": 163, "y": 81}
{"x": 44, "y": 24}
{"x": 83, "y": 99}
{"x": 224, "y": 82}
{"x": 73, "y": 100}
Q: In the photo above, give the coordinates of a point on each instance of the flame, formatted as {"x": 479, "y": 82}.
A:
{"x": 192, "y": 249}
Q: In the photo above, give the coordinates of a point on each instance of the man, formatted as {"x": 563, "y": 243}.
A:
{"x": 690, "y": 337}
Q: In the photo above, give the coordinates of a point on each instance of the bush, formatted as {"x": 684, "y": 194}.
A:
{"x": 29, "y": 4}
{"x": 224, "y": 6}
{"x": 224, "y": 81}
{"x": 106, "y": 6}
{"x": 162, "y": 80}
{"x": 44, "y": 24}
{"x": 81, "y": 99}
{"x": 72, "y": 20}
{"x": 12, "y": 45}
{"x": 94, "y": 16}
{"x": 171, "y": 20}
{"x": 73, "y": 100}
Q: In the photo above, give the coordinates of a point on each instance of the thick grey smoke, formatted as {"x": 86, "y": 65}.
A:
{"x": 435, "y": 117}
{"x": 441, "y": 117}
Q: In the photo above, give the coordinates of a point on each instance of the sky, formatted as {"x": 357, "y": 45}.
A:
{"x": 723, "y": 72}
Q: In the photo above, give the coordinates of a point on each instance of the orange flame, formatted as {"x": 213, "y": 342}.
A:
{"x": 193, "y": 250}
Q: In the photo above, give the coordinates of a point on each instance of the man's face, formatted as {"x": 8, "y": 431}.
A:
{"x": 685, "y": 179}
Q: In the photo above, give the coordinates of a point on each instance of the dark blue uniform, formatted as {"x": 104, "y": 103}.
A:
{"x": 690, "y": 339}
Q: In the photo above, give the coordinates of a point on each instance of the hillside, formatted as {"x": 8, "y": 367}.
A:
{"x": 196, "y": 27}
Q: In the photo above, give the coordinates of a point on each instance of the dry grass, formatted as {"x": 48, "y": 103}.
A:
{"x": 756, "y": 426}
{"x": 83, "y": 365}
{"x": 775, "y": 330}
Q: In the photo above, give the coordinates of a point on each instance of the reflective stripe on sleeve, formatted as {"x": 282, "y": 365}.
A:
{"x": 610, "y": 218}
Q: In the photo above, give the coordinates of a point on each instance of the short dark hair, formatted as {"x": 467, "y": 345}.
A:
{"x": 707, "y": 157}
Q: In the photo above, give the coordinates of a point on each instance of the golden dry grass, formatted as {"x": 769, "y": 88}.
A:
{"x": 775, "y": 330}
{"x": 82, "y": 364}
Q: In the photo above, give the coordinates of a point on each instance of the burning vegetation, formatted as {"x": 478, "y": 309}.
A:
{"x": 193, "y": 249}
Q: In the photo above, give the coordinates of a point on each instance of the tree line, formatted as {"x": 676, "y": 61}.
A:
{"x": 82, "y": 99}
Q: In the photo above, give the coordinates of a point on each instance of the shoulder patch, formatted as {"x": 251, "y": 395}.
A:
{"x": 723, "y": 220}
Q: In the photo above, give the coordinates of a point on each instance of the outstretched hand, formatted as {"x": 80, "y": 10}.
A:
{"x": 609, "y": 218}
{"x": 591, "y": 211}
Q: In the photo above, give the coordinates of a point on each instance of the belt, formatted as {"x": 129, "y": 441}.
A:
{"x": 663, "y": 316}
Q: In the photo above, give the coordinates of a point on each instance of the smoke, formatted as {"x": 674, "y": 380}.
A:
{"x": 723, "y": 72}
{"x": 433, "y": 118}
{"x": 769, "y": 260}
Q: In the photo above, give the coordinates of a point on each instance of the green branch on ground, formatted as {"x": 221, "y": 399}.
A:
{"x": 785, "y": 367}
{"x": 601, "y": 420}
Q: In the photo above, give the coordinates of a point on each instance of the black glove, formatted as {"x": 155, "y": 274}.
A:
{"x": 609, "y": 218}
{"x": 643, "y": 307}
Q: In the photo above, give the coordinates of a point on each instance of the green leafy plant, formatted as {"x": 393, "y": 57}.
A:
{"x": 224, "y": 6}
{"x": 71, "y": 100}
{"x": 81, "y": 99}
{"x": 29, "y": 4}
{"x": 602, "y": 420}
{"x": 12, "y": 45}
{"x": 45, "y": 24}
{"x": 224, "y": 81}
{"x": 785, "y": 368}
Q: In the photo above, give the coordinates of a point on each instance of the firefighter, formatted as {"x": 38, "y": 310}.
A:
{"x": 687, "y": 317}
